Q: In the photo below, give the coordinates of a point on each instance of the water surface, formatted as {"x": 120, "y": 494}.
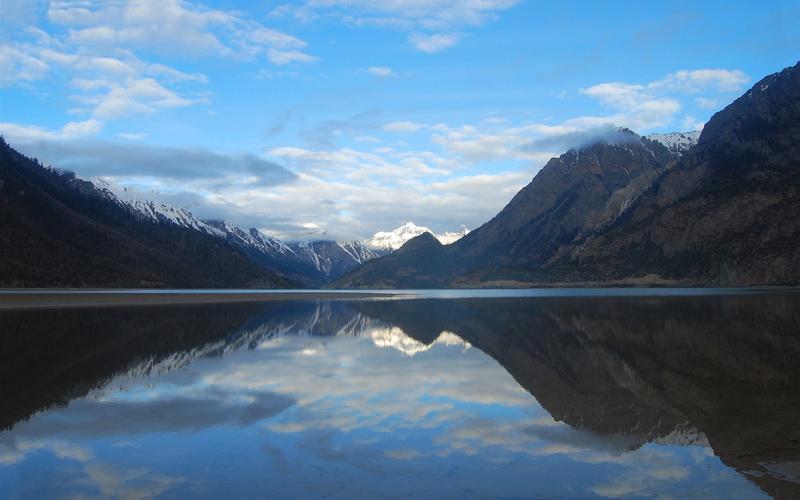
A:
{"x": 515, "y": 397}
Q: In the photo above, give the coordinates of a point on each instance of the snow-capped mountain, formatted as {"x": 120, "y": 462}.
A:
{"x": 333, "y": 258}
{"x": 392, "y": 240}
{"x": 677, "y": 142}
{"x": 309, "y": 263}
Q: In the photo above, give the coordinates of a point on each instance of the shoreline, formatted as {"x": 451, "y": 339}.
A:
{"x": 61, "y": 299}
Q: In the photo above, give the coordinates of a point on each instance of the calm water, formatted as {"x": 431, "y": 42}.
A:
{"x": 522, "y": 397}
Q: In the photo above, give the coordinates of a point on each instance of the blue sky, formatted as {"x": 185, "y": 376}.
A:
{"x": 339, "y": 118}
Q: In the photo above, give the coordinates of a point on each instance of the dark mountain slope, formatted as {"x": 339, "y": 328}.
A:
{"x": 627, "y": 211}
{"x": 572, "y": 195}
{"x": 728, "y": 214}
{"x": 419, "y": 263}
{"x": 577, "y": 192}
{"x": 58, "y": 230}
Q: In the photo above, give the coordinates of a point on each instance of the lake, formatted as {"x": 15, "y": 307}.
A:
{"x": 435, "y": 395}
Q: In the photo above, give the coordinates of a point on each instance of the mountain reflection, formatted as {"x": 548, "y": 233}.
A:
{"x": 613, "y": 376}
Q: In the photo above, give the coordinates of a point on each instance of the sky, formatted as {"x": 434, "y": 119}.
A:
{"x": 341, "y": 118}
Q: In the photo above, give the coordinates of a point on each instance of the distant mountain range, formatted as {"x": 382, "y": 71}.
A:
{"x": 720, "y": 207}
{"x": 261, "y": 260}
{"x": 306, "y": 263}
{"x": 632, "y": 210}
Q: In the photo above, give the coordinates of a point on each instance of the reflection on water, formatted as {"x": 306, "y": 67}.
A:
{"x": 493, "y": 397}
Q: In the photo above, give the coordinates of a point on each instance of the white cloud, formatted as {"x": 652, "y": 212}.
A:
{"x": 617, "y": 94}
{"x": 18, "y": 66}
{"x": 274, "y": 38}
{"x": 300, "y": 13}
{"x": 493, "y": 143}
{"x": 403, "y": 126}
{"x": 136, "y": 96}
{"x": 656, "y": 104}
{"x": 72, "y": 130}
{"x": 434, "y": 23}
{"x": 693, "y": 81}
{"x": 107, "y": 86}
{"x": 280, "y": 57}
{"x": 174, "y": 26}
{"x": 433, "y": 42}
{"x": 174, "y": 75}
{"x": 380, "y": 71}
{"x": 21, "y": 12}
{"x": 415, "y": 14}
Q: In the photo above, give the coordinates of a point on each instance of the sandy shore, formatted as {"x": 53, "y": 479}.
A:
{"x": 11, "y": 300}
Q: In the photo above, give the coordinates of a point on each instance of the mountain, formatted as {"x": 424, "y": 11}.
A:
{"x": 727, "y": 214}
{"x": 331, "y": 259}
{"x": 583, "y": 189}
{"x": 630, "y": 210}
{"x": 417, "y": 264}
{"x": 57, "y": 230}
{"x": 677, "y": 142}
{"x": 162, "y": 213}
{"x": 310, "y": 264}
{"x": 388, "y": 241}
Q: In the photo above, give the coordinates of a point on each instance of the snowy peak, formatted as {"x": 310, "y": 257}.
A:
{"x": 163, "y": 213}
{"x": 396, "y": 238}
{"x": 677, "y": 142}
{"x": 392, "y": 240}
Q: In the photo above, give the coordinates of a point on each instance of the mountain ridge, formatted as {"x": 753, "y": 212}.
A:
{"x": 725, "y": 212}
{"x": 59, "y": 230}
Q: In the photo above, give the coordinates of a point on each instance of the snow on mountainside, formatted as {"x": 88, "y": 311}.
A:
{"x": 358, "y": 251}
{"x": 311, "y": 263}
{"x": 392, "y": 240}
{"x": 320, "y": 261}
{"x": 677, "y": 142}
{"x": 163, "y": 213}
{"x": 333, "y": 258}
{"x": 252, "y": 239}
